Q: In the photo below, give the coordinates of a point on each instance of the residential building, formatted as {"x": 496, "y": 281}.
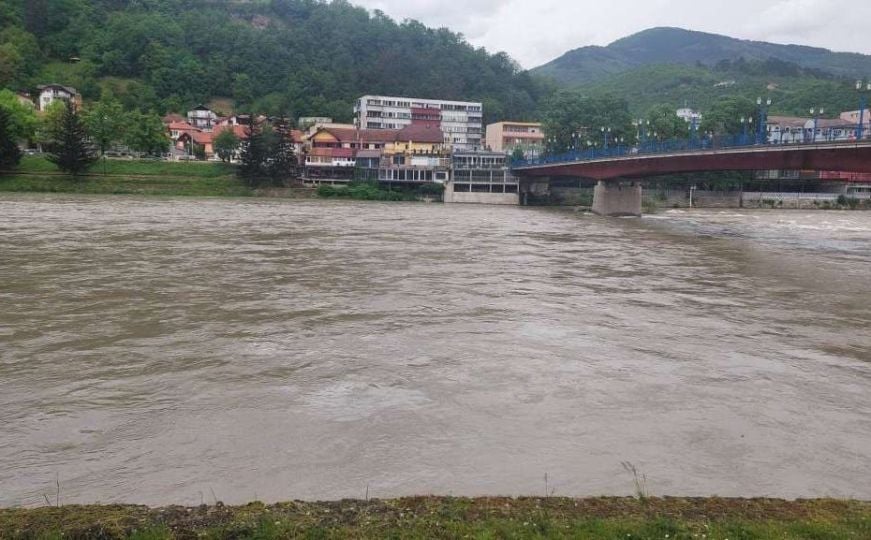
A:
{"x": 201, "y": 117}
{"x": 852, "y": 117}
{"x": 461, "y": 122}
{"x": 25, "y": 99}
{"x": 796, "y": 130}
{"x": 507, "y": 137}
{"x": 482, "y": 178}
{"x": 331, "y": 152}
{"x": 689, "y": 116}
{"x": 49, "y": 93}
{"x": 417, "y": 154}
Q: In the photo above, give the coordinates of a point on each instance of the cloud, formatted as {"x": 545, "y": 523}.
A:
{"x": 536, "y": 31}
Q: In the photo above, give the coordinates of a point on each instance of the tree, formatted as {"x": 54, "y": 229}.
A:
{"x": 105, "y": 122}
{"x": 517, "y": 154}
{"x": 282, "y": 161}
{"x": 573, "y": 120}
{"x": 146, "y": 134}
{"x": 226, "y": 145}
{"x": 665, "y": 122}
{"x": 10, "y": 154}
{"x": 254, "y": 156}
{"x": 69, "y": 148}
{"x": 22, "y": 117}
{"x": 724, "y": 116}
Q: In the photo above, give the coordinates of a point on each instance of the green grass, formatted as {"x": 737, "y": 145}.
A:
{"x": 132, "y": 167}
{"x": 128, "y": 177}
{"x": 431, "y": 517}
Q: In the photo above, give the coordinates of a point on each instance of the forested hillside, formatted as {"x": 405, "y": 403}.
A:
{"x": 294, "y": 57}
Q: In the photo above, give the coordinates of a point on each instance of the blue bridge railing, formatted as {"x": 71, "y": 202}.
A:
{"x": 652, "y": 147}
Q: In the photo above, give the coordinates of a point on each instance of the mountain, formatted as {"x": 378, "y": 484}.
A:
{"x": 293, "y": 57}
{"x": 685, "y": 47}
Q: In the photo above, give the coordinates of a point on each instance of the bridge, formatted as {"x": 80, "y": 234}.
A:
{"x": 617, "y": 170}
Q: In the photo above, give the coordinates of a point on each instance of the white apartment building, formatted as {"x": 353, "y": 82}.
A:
{"x": 461, "y": 122}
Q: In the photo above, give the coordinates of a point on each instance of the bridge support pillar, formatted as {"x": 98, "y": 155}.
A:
{"x": 615, "y": 200}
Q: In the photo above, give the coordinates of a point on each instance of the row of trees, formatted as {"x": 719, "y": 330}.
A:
{"x": 267, "y": 156}
{"x": 574, "y": 120}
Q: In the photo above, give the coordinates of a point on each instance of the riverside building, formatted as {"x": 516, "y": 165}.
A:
{"x": 461, "y": 122}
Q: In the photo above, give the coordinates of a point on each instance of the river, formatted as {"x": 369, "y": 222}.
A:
{"x": 163, "y": 351}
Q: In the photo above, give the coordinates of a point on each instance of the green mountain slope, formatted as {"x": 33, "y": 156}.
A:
{"x": 677, "y": 46}
{"x": 295, "y": 57}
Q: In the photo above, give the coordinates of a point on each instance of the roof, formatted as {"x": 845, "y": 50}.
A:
{"x": 297, "y": 135}
{"x": 421, "y": 133}
{"x": 173, "y": 117}
{"x": 790, "y": 121}
{"x": 240, "y": 132}
{"x": 181, "y": 126}
{"x": 67, "y": 89}
{"x": 349, "y": 135}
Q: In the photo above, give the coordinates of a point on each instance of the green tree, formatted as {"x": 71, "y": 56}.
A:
{"x": 574, "y": 119}
{"x": 255, "y": 153}
{"x": 724, "y": 116}
{"x": 517, "y": 154}
{"x": 70, "y": 149}
{"x": 226, "y": 145}
{"x": 105, "y": 123}
{"x": 22, "y": 117}
{"x": 665, "y": 122}
{"x": 146, "y": 134}
{"x": 10, "y": 154}
{"x": 281, "y": 161}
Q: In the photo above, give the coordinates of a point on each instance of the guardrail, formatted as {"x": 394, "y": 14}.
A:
{"x": 649, "y": 148}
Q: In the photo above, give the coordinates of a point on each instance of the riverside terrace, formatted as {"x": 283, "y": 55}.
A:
{"x": 617, "y": 169}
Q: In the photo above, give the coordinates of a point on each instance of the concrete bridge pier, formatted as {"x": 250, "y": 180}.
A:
{"x": 615, "y": 199}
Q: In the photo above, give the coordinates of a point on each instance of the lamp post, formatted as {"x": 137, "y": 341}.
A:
{"x": 863, "y": 104}
{"x": 763, "y": 118}
{"x": 746, "y": 125}
{"x": 605, "y": 133}
{"x": 816, "y": 114}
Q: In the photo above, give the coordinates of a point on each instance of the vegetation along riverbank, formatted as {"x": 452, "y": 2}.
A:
{"x": 137, "y": 177}
{"x": 433, "y": 517}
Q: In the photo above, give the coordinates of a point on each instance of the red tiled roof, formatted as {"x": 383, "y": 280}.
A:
{"x": 297, "y": 135}
{"x": 202, "y": 138}
{"x": 348, "y": 135}
{"x": 239, "y": 131}
{"x": 421, "y": 133}
{"x": 182, "y": 126}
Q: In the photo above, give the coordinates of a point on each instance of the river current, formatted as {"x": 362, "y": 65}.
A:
{"x": 165, "y": 351}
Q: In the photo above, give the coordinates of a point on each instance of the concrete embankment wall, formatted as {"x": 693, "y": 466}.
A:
{"x": 482, "y": 198}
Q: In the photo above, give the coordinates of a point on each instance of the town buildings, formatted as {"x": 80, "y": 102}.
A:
{"x": 507, "y": 137}
{"x": 481, "y": 178}
{"x": 461, "y": 122}
{"x": 50, "y": 93}
{"x": 202, "y": 118}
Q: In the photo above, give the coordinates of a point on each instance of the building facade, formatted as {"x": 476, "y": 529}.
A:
{"x": 507, "y": 137}
{"x": 482, "y": 178}
{"x": 50, "y": 93}
{"x": 461, "y": 122}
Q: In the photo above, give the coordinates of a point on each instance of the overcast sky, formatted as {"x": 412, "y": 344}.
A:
{"x": 536, "y": 31}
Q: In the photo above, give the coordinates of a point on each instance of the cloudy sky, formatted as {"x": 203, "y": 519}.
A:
{"x": 536, "y": 31}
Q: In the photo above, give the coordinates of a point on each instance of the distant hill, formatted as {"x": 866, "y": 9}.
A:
{"x": 659, "y": 46}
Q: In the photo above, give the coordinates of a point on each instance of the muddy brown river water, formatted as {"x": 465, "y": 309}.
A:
{"x": 176, "y": 351}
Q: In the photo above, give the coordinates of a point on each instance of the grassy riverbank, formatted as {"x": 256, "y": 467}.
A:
{"x": 431, "y": 517}
{"x": 133, "y": 177}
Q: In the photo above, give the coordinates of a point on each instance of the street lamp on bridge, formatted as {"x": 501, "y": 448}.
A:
{"x": 816, "y": 114}
{"x": 863, "y": 104}
{"x": 746, "y": 125}
{"x": 763, "y": 118}
{"x": 606, "y": 132}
